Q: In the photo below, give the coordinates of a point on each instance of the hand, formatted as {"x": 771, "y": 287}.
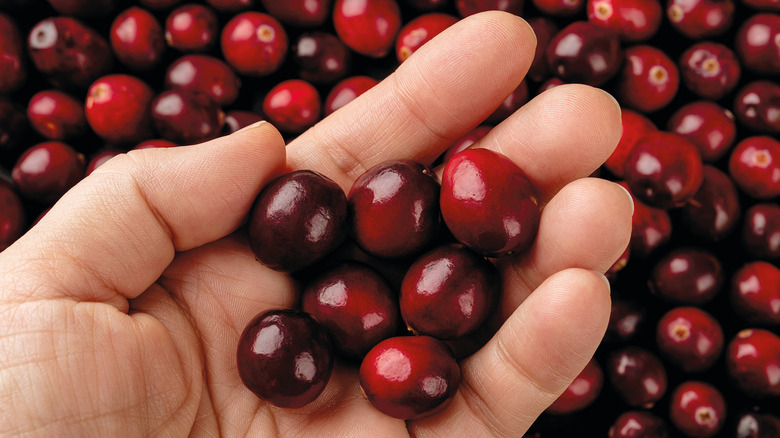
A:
{"x": 121, "y": 310}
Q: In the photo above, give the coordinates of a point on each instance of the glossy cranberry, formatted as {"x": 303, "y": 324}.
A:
{"x": 321, "y": 57}
{"x": 698, "y": 19}
{"x": 638, "y": 424}
{"x": 192, "y": 28}
{"x": 13, "y": 69}
{"x": 230, "y": 6}
{"x": 637, "y": 375}
{"x": 757, "y": 106}
{"x": 47, "y": 170}
{"x": 635, "y": 126}
{"x": 159, "y": 4}
{"x": 714, "y": 211}
{"x": 118, "y": 108}
{"x": 255, "y": 44}
{"x": 427, "y": 5}
{"x": 757, "y": 425}
{"x": 237, "y": 119}
{"x": 84, "y": 8}
{"x": 632, "y": 20}
{"x": 761, "y": 231}
{"x": 137, "y": 39}
{"x": 687, "y": 276}
{"x": 285, "y": 358}
{"x": 651, "y": 228}
{"x": 549, "y": 83}
{"x": 625, "y": 319}
{"x": 368, "y": 27}
{"x": 346, "y": 91}
{"x": 13, "y": 127}
{"x": 419, "y": 31}
{"x": 206, "y": 75}
{"x": 559, "y": 7}
{"x": 753, "y": 362}
{"x": 355, "y": 304}
{"x": 12, "y": 218}
{"x": 755, "y": 293}
{"x": 690, "y": 338}
{"x": 471, "y": 7}
{"x": 649, "y": 79}
{"x": 186, "y": 117}
{"x": 466, "y": 140}
{"x": 584, "y": 52}
{"x": 488, "y": 203}
{"x": 304, "y": 13}
{"x": 409, "y": 377}
{"x": 293, "y": 105}
{"x": 69, "y": 53}
{"x": 707, "y": 125}
{"x": 56, "y": 115}
{"x": 155, "y": 143}
{"x": 758, "y": 43}
{"x": 619, "y": 264}
{"x": 697, "y": 409}
{"x": 709, "y": 69}
{"x": 582, "y": 391}
{"x": 512, "y": 103}
{"x": 755, "y": 166}
{"x": 545, "y": 29}
{"x": 100, "y": 158}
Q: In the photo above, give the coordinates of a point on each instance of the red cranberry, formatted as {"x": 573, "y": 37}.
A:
{"x": 253, "y": 43}
{"x": 155, "y": 143}
{"x": 755, "y": 293}
{"x": 321, "y": 57}
{"x": 100, "y": 158}
{"x": 690, "y": 338}
{"x": 757, "y": 425}
{"x": 549, "y": 83}
{"x": 83, "y": 8}
{"x": 700, "y": 18}
{"x": 709, "y": 69}
{"x": 118, "y": 108}
{"x": 581, "y": 393}
{"x": 206, "y": 75}
{"x": 635, "y": 126}
{"x": 757, "y": 106}
{"x": 637, "y": 375}
{"x": 13, "y": 127}
{"x": 471, "y": 7}
{"x": 638, "y": 424}
{"x": 13, "y": 70}
{"x": 186, "y": 117}
{"x": 488, "y": 203}
{"x": 237, "y": 119}
{"x": 191, "y": 28}
{"x": 304, "y": 13}
{"x": 625, "y": 319}
{"x": 512, "y": 103}
{"x": 651, "y": 228}
{"x": 758, "y": 43}
{"x": 285, "y": 358}
{"x": 346, "y": 91}
{"x": 755, "y": 166}
{"x": 47, "y": 170}
{"x": 230, "y": 6}
{"x": 585, "y": 53}
{"x": 632, "y": 20}
{"x": 56, "y": 115}
{"x": 761, "y": 231}
{"x": 137, "y": 39}
{"x": 368, "y": 27}
{"x": 697, "y": 409}
{"x": 293, "y": 105}
{"x": 545, "y": 29}
{"x": 559, "y": 7}
{"x": 713, "y": 212}
{"x": 619, "y": 264}
{"x": 707, "y": 125}
{"x": 12, "y": 218}
{"x": 649, "y": 80}
{"x": 753, "y": 361}
{"x": 427, "y": 5}
{"x": 687, "y": 276}
{"x": 466, "y": 140}
{"x": 409, "y": 377}
{"x": 419, "y": 31}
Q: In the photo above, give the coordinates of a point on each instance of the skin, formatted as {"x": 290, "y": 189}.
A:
{"x": 121, "y": 310}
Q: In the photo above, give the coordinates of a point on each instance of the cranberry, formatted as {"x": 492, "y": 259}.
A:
{"x": 419, "y": 31}
{"x": 697, "y": 409}
{"x": 355, "y": 304}
{"x": 687, "y": 276}
{"x": 761, "y": 231}
{"x": 466, "y": 140}
{"x": 346, "y": 91}
{"x": 206, "y": 75}
{"x": 118, "y": 108}
{"x": 293, "y": 105}
{"x": 549, "y": 83}
{"x": 471, "y": 7}
{"x": 84, "y": 8}
{"x": 230, "y": 6}
{"x": 584, "y": 52}
{"x": 707, "y": 125}
{"x": 649, "y": 79}
{"x": 713, "y": 212}
{"x": 753, "y": 361}
{"x": 755, "y": 166}
{"x": 700, "y": 18}
{"x": 427, "y": 5}
{"x": 409, "y": 377}
{"x": 368, "y": 27}
{"x": 100, "y": 158}
{"x": 635, "y": 126}
{"x": 321, "y": 57}
{"x": 755, "y": 293}
{"x": 638, "y": 424}
{"x": 304, "y": 13}
{"x": 757, "y": 106}
{"x": 632, "y": 20}
{"x": 47, "y": 170}
{"x": 651, "y": 228}
{"x": 137, "y": 39}
{"x": 619, "y": 264}
{"x": 559, "y": 7}
{"x": 12, "y": 217}
{"x": 237, "y": 119}
{"x": 155, "y": 143}
{"x": 191, "y": 28}
{"x": 488, "y": 203}
{"x": 13, "y": 70}
{"x": 625, "y": 319}
{"x": 512, "y": 103}
{"x": 56, "y": 115}
{"x": 253, "y": 43}
{"x": 690, "y": 338}
{"x": 582, "y": 391}
{"x": 186, "y": 117}
{"x": 757, "y": 425}
{"x": 758, "y": 43}
{"x": 545, "y": 29}
{"x": 637, "y": 375}
{"x": 709, "y": 69}
{"x": 285, "y": 358}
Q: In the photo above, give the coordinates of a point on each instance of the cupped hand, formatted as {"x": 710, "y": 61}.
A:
{"x": 120, "y": 311}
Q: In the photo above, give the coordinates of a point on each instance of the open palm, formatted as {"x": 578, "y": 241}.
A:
{"x": 121, "y": 310}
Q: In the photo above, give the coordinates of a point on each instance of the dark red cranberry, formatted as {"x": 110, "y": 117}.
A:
{"x": 632, "y": 20}
{"x": 137, "y": 39}
{"x": 13, "y": 69}
{"x": 755, "y": 166}
{"x": 410, "y": 377}
{"x": 753, "y": 362}
{"x": 47, "y": 170}
{"x": 758, "y": 43}
{"x": 637, "y": 375}
{"x": 713, "y": 212}
{"x": 545, "y": 29}
{"x": 582, "y": 391}
{"x": 625, "y": 319}
{"x": 13, "y": 127}
{"x": 687, "y": 276}
{"x": 206, "y": 75}
{"x": 697, "y": 409}
{"x": 255, "y": 44}
{"x": 471, "y": 7}
{"x": 118, "y": 108}
{"x": 69, "y": 53}
{"x": 368, "y": 27}
{"x": 635, "y": 126}
{"x": 159, "y": 4}
{"x": 651, "y": 228}
{"x": 56, "y": 115}
{"x": 238, "y": 119}
{"x": 321, "y": 57}
{"x": 155, "y": 143}
{"x": 757, "y": 425}
{"x": 757, "y": 106}
{"x": 355, "y": 304}
{"x": 755, "y": 293}
{"x": 230, "y": 6}
{"x": 304, "y": 13}
{"x": 346, "y": 91}
{"x": 186, "y": 117}
{"x": 12, "y": 217}
{"x": 466, "y": 140}
{"x": 638, "y": 424}
{"x": 690, "y": 338}
{"x": 649, "y": 79}
{"x": 297, "y": 219}
{"x": 584, "y": 52}
{"x": 488, "y": 203}
{"x": 427, "y": 5}
{"x": 559, "y": 7}
{"x": 761, "y": 231}
{"x": 84, "y": 8}
{"x": 293, "y": 105}
{"x": 698, "y": 19}
{"x": 285, "y": 358}
{"x": 192, "y": 28}
{"x": 549, "y": 83}
{"x": 100, "y": 158}
{"x": 710, "y": 69}
{"x": 620, "y": 263}
{"x": 707, "y": 125}
{"x": 419, "y": 31}
{"x": 512, "y": 103}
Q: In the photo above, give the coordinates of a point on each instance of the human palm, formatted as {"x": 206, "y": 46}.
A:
{"x": 121, "y": 310}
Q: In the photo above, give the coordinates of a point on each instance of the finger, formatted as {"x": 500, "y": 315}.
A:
{"x": 445, "y": 89}
{"x": 113, "y": 234}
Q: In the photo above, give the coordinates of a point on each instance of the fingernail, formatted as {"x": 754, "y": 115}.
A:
{"x": 604, "y": 278}
{"x": 252, "y": 126}
{"x": 630, "y": 198}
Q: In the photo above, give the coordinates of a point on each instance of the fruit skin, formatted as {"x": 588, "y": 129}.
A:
{"x": 635, "y": 125}
{"x": 755, "y": 293}
{"x": 255, "y": 44}
{"x": 285, "y": 358}
{"x": 117, "y": 108}
{"x": 229, "y": 6}
{"x": 637, "y": 375}
{"x": 47, "y": 170}
{"x": 689, "y": 276}
{"x": 707, "y": 125}
{"x": 303, "y": 13}
{"x": 419, "y": 31}
{"x": 293, "y": 105}
{"x": 186, "y": 117}
{"x": 137, "y": 39}
{"x": 710, "y": 69}
{"x": 409, "y": 377}
{"x": 638, "y": 424}
{"x": 465, "y": 141}
{"x": 321, "y": 57}
{"x": 755, "y": 166}
{"x": 761, "y": 231}
{"x": 545, "y": 30}
{"x": 191, "y": 28}
{"x": 204, "y": 74}
{"x": 237, "y": 119}
{"x": 758, "y": 43}
{"x": 488, "y": 204}
{"x": 625, "y": 319}
{"x": 633, "y": 20}
{"x": 697, "y": 409}
{"x": 649, "y": 79}
{"x": 517, "y": 98}
{"x": 297, "y": 219}
{"x": 757, "y": 425}
{"x": 690, "y": 338}
{"x": 585, "y": 53}
{"x": 757, "y": 106}
{"x": 713, "y": 212}
{"x": 56, "y": 115}
{"x": 752, "y": 360}
{"x": 84, "y": 8}
{"x": 698, "y": 19}
{"x": 581, "y": 393}
{"x": 357, "y": 23}
{"x": 13, "y": 128}
{"x": 470, "y": 7}
{"x": 559, "y": 7}
{"x": 12, "y": 216}
{"x": 13, "y": 63}
{"x": 651, "y": 228}
{"x": 346, "y": 91}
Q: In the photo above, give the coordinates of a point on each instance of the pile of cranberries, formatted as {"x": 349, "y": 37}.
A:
{"x": 692, "y": 347}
